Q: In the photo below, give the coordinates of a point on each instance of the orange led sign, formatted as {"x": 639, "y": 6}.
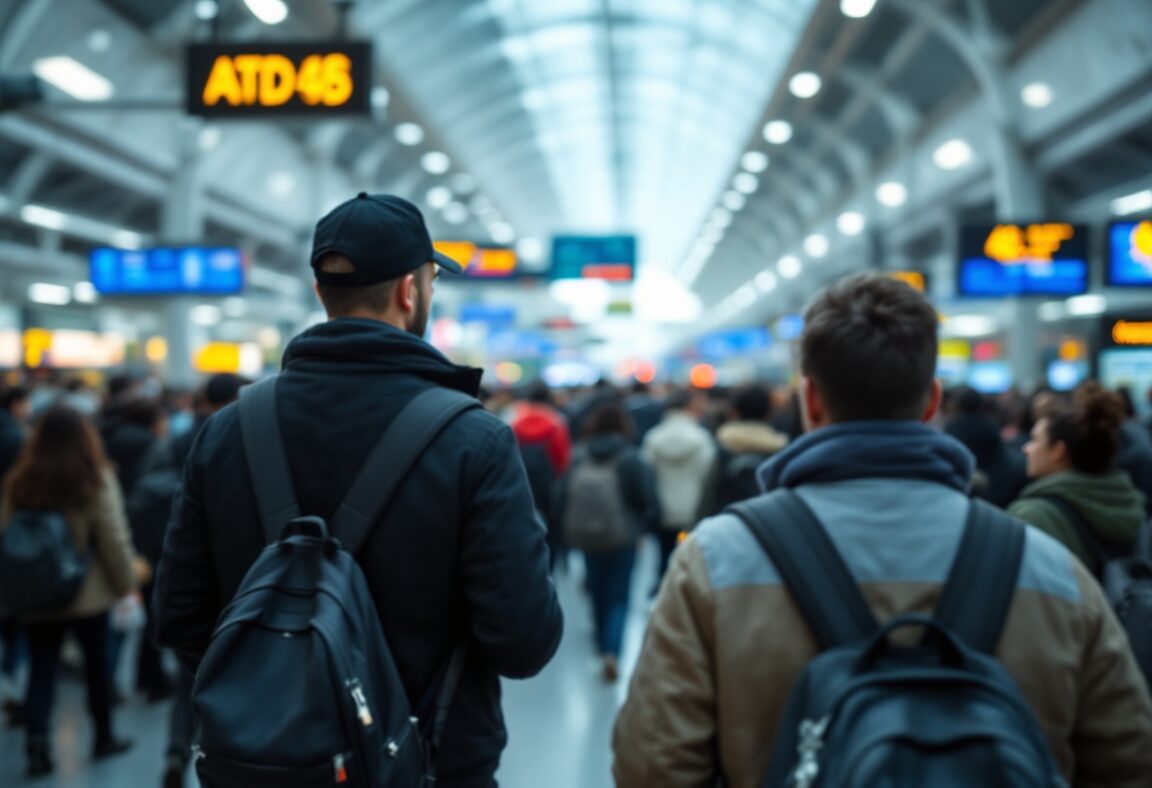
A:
{"x": 245, "y": 80}
{"x": 1020, "y": 244}
{"x": 1132, "y": 332}
{"x": 914, "y": 279}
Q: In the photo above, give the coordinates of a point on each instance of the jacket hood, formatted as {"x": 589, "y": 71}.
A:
{"x": 679, "y": 438}
{"x": 534, "y": 424}
{"x": 604, "y": 446}
{"x": 367, "y": 347}
{"x": 866, "y": 449}
{"x": 751, "y": 437}
{"x": 1109, "y": 502}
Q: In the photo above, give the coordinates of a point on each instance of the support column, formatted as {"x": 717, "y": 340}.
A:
{"x": 182, "y": 221}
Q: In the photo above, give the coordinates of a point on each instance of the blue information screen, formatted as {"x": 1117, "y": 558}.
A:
{"x": 169, "y": 270}
{"x": 1016, "y": 260}
{"x": 611, "y": 257}
{"x": 735, "y": 342}
{"x": 1130, "y": 254}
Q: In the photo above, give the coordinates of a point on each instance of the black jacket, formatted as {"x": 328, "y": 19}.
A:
{"x": 11, "y": 441}
{"x": 130, "y": 448}
{"x": 460, "y": 550}
{"x": 1004, "y": 467}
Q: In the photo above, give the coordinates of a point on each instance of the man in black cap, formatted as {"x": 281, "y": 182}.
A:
{"x": 458, "y": 554}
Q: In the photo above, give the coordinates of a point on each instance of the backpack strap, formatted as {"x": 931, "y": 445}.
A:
{"x": 394, "y": 454}
{"x": 983, "y": 577}
{"x": 1097, "y": 552}
{"x": 267, "y": 461}
{"x": 811, "y": 567}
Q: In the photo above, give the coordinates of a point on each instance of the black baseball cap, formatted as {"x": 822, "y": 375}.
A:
{"x": 384, "y": 237}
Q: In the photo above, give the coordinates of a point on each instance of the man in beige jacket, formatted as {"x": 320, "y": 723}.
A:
{"x": 726, "y": 642}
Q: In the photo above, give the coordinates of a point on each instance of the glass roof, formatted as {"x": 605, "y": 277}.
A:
{"x": 628, "y": 114}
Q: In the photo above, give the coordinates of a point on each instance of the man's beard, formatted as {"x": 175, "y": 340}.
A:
{"x": 418, "y": 325}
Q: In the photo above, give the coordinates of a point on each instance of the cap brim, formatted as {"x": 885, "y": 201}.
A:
{"x": 447, "y": 263}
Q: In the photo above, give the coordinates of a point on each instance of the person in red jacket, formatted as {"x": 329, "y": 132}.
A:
{"x": 546, "y": 448}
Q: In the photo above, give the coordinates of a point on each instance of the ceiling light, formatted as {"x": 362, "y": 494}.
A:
{"x": 1137, "y": 202}
{"x": 205, "y": 314}
{"x": 754, "y": 161}
{"x": 270, "y": 12}
{"x": 73, "y": 77}
{"x": 777, "y": 132}
{"x": 720, "y": 217}
{"x": 745, "y": 182}
{"x": 281, "y": 184}
{"x": 85, "y": 292}
{"x": 816, "y": 245}
{"x": 850, "y": 223}
{"x": 969, "y": 325}
{"x": 765, "y": 281}
{"x": 1087, "y": 305}
{"x": 857, "y": 9}
{"x": 804, "y": 85}
{"x": 44, "y": 217}
{"x": 455, "y": 213}
{"x": 892, "y": 194}
{"x": 207, "y": 10}
{"x": 789, "y": 266}
{"x": 733, "y": 200}
{"x": 953, "y": 154}
{"x": 409, "y": 134}
{"x": 1036, "y": 95}
{"x": 502, "y": 232}
{"x": 530, "y": 250}
{"x": 438, "y": 197}
{"x": 462, "y": 183}
{"x": 435, "y": 162}
{"x": 43, "y": 293}
{"x": 380, "y": 97}
{"x": 210, "y": 137}
{"x": 99, "y": 40}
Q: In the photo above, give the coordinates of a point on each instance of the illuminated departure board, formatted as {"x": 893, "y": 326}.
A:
{"x": 1045, "y": 258}
{"x": 278, "y": 80}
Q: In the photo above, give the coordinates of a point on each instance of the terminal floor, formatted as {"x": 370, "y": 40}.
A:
{"x": 559, "y": 723}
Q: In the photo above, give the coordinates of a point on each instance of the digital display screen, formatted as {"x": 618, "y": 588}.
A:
{"x": 1130, "y": 254}
{"x": 1023, "y": 259}
{"x": 611, "y": 257}
{"x": 488, "y": 313}
{"x": 735, "y": 342}
{"x": 990, "y": 377}
{"x": 168, "y": 270}
{"x": 275, "y": 79}
{"x": 1131, "y": 367}
{"x": 483, "y": 263}
{"x": 1067, "y": 375}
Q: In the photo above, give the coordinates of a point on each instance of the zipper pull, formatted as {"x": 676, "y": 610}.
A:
{"x": 341, "y": 772}
{"x": 362, "y": 710}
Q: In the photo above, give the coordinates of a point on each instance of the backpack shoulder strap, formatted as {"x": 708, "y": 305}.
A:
{"x": 810, "y": 566}
{"x": 267, "y": 461}
{"x": 391, "y": 458}
{"x": 1099, "y": 554}
{"x": 983, "y": 577}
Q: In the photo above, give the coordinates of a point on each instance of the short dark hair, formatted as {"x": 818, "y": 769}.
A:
{"x": 608, "y": 419}
{"x": 969, "y": 401}
{"x": 341, "y": 300}
{"x": 222, "y": 389}
{"x": 752, "y": 403}
{"x": 678, "y": 399}
{"x": 13, "y": 396}
{"x": 539, "y": 393}
{"x": 869, "y": 347}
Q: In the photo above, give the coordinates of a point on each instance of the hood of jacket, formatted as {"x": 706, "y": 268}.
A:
{"x": 1109, "y": 501}
{"x": 751, "y": 437}
{"x": 677, "y": 439}
{"x": 863, "y": 449}
{"x": 535, "y": 423}
{"x": 370, "y": 347}
{"x": 604, "y": 447}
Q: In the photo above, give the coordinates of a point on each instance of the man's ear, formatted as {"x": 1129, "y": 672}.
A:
{"x": 406, "y": 297}
{"x": 933, "y": 406}
{"x": 811, "y": 406}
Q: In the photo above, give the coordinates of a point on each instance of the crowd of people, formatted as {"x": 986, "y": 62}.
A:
{"x": 173, "y": 501}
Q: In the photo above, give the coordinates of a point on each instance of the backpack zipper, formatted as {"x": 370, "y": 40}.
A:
{"x": 811, "y": 742}
{"x": 362, "y": 710}
{"x": 338, "y": 767}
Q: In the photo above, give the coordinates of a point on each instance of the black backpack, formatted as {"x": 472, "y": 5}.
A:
{"x": 298, "y": 686}
{"x": 738, "y": 476}
{"x": 41, "y": 571}
{"x": 1125, "y": 573}
{"x": 943, "y": 713}
{"x": 150, "y": 505}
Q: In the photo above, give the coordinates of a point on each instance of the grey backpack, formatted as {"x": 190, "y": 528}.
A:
{"x": 595, "y": 514}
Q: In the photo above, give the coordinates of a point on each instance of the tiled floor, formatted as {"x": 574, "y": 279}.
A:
{"x": 559, "y": 723}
